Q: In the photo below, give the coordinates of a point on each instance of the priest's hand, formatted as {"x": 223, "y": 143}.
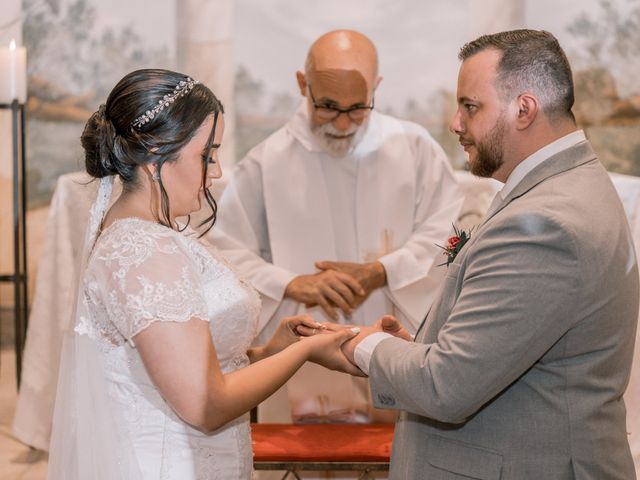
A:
{"x": 371, "y": 275}
{"x": 328, "y": 289}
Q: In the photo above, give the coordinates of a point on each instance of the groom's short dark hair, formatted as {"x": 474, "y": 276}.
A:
{"x": 532, "y": 60}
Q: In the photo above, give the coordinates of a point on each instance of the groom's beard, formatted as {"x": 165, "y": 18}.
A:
{"x": 489, "y": 151}
{"x": 338, "y": 143}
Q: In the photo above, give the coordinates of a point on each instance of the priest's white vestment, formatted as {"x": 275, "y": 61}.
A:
{"x": 288, "y": 204}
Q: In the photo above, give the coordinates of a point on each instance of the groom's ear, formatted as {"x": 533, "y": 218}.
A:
{"x": 528, "y": 107}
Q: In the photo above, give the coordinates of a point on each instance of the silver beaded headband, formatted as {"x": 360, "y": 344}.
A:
{"x": 182, "y": 88}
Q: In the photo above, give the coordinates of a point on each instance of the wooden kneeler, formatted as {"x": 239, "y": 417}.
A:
{"x": 362, "y": 448}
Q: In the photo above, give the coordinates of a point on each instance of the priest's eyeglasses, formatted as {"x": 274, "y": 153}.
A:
{"x": 356, "y": 113}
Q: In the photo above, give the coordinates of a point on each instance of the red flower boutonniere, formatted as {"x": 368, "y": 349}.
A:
{"x": 454, "y": 244}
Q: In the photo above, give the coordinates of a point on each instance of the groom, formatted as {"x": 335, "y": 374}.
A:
{"x": 519, "y": 368}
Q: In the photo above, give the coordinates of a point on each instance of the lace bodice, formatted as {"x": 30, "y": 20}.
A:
{"x": 139, "y": 273}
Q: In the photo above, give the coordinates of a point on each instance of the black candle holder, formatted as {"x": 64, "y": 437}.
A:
{"x": 19, "y": 194}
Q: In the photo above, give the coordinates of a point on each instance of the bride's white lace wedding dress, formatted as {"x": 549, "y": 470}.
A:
{"x": 140, "y": 272}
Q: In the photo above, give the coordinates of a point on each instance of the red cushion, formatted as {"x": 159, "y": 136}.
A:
{"x": 322, "y": 442}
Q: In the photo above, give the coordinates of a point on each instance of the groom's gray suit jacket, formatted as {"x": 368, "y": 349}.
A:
{"x": 519, "y": 368}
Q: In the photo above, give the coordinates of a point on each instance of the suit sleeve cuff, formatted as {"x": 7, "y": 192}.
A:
{"x": 365, "y": 348}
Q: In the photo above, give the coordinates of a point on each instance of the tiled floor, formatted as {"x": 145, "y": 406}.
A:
{"x": 17, "y": 461}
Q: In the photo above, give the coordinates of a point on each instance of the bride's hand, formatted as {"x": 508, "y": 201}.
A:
{"x": 325, "y": 349}
{"x": 289, "y": 332}
{"x": 324, "y": 327}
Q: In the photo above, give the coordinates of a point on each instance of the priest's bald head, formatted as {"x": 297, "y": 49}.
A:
{"x": 339, "y": 80}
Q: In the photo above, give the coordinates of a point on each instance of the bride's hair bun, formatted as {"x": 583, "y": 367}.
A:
{"x": 149, "y": 116}
{"x": 97, "y": 140}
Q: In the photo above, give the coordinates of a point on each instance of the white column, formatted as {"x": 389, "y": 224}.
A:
{"x": 204, "y": 50}
{"x": 491, "y": 16}
{"x": 10, "y": 28}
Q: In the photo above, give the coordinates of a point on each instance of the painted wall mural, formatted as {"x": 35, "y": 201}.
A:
{"x": 418, "y": 43}
{"x": 79, "y": 48}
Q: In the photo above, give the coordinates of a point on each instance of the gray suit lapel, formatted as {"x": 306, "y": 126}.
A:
{"x": 561, "y": 162}
{"x": 422, "y": 325}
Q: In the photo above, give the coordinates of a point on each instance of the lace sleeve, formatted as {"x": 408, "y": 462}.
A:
{"x": 147, "y": 276}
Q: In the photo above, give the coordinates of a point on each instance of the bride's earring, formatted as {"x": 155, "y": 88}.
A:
{"x": 153, "y": 171}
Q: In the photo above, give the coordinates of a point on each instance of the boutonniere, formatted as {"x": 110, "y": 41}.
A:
{"x": 454, "y": 244}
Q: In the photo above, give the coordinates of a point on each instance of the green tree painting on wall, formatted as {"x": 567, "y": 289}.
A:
{"x": 607, "y": 85}
{"x": 73, "y": 62}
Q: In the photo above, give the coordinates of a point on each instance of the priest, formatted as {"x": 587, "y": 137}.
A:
{"x": 339, "y": 214}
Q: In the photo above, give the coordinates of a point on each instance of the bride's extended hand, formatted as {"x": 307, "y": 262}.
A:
{"x": 325, "y": 349}
{"x": 289, "y": 332}
{"x": 324, "y": 327}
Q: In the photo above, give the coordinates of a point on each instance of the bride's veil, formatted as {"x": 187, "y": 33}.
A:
{"x": 89, "y": 439}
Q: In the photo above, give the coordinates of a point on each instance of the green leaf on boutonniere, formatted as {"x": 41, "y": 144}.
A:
{"x": 454, "y": 244}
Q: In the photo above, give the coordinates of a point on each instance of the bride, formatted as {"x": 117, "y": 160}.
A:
{"x": 158, "y": 375}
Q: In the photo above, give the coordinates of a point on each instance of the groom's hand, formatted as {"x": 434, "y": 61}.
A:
{"x": 387, "y": 324}
{"x": 349, "y": 347}
{"x": 392, "y": 325}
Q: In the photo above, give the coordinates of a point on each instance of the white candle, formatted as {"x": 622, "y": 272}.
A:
{"x": 13, "y": 73}
{"x": 12, "y": 70}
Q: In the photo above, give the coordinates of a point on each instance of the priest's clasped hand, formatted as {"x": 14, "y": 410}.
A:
{"x": 370, "y": 275}
{"x": 328, "y": 289}
{"x": 343, "y": 285}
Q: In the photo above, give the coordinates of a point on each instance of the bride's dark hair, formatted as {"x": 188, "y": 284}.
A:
{"x": 114, "y": 146}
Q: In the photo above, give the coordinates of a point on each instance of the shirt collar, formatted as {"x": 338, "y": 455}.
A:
{"x": 298, "y": 126}
{"x": 536, "y": 158}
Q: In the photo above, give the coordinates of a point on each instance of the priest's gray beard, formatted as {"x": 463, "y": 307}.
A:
{"x": 327, "y": 137}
